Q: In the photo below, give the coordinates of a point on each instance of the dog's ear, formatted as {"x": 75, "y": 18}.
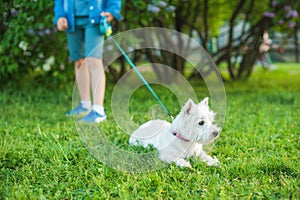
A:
{"x": 204, "y": 101}
{"x": 188, "y": 106}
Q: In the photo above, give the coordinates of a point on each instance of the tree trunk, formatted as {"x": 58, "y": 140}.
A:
{"x": 230, "y": 52}
{"x": 296, "y": 42}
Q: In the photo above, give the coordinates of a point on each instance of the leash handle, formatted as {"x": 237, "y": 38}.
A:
{"x": 106, "y": 29}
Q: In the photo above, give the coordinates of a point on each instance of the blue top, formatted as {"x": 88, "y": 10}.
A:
{"x": 81, "y": 7}
{"x": 66, "y": 8}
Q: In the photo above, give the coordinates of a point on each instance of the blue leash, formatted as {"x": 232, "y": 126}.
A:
{"x": 105, "y": 29}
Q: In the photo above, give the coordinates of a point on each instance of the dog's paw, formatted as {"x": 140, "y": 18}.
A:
{"x": 183, "y": 163}
{"x": 213, "y": 162}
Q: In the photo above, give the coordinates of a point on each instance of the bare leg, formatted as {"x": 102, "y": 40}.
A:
{"x": 98, "y": 79}
{"x": 82, "y": 80}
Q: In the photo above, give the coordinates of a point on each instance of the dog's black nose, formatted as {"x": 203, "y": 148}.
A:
{"x": 215, "y": 133}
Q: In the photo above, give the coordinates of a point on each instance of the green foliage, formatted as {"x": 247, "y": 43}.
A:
{"x": 172, "y": 14}
{"x": 30, "y": 45}
{"x": 242, "y": 24}
{"x": 286, "y": 16}
{"x": 31, "y": 48}
{"x": 42, "y": 157}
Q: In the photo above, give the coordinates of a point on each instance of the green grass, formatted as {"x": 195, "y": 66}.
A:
{"x": 42, "y": 156}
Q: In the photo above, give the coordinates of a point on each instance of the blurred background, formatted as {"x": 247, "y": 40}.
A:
{"x": 231, "y": 31}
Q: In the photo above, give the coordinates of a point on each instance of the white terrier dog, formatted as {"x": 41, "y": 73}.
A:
{"x": 182, "y": 139}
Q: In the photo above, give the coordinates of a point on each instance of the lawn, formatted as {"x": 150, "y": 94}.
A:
{"x": 42, "y": 156}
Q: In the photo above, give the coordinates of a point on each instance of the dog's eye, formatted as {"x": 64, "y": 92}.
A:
{"x": 201, "y": 123}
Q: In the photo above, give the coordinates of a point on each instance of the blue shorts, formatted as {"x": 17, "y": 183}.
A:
{"x": 86, "y": 41}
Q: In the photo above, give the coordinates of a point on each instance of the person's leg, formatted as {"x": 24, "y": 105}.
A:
{"x": 76, "y": 50}
{"x": 269, "y": 61}
{"x": 83, "y": 80}
{"x": 93, "y": 53}
{"x": 98, "y": 80}
{"x": 263, "y": 60}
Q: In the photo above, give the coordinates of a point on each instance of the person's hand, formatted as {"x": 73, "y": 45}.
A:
{"x": 109, "y": 16}
{"x": 62, "y": 24}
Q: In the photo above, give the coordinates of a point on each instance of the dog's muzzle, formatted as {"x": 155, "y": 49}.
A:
{"x": 215, "y": 133}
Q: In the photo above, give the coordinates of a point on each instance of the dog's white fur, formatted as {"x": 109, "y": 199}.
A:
{"x": 182, "y": 139}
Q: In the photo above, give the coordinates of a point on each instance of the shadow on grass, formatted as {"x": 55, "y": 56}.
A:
{"x": 278, "y": 169}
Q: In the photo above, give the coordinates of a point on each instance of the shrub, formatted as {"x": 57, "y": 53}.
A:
{"x": 30, "y": 45}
